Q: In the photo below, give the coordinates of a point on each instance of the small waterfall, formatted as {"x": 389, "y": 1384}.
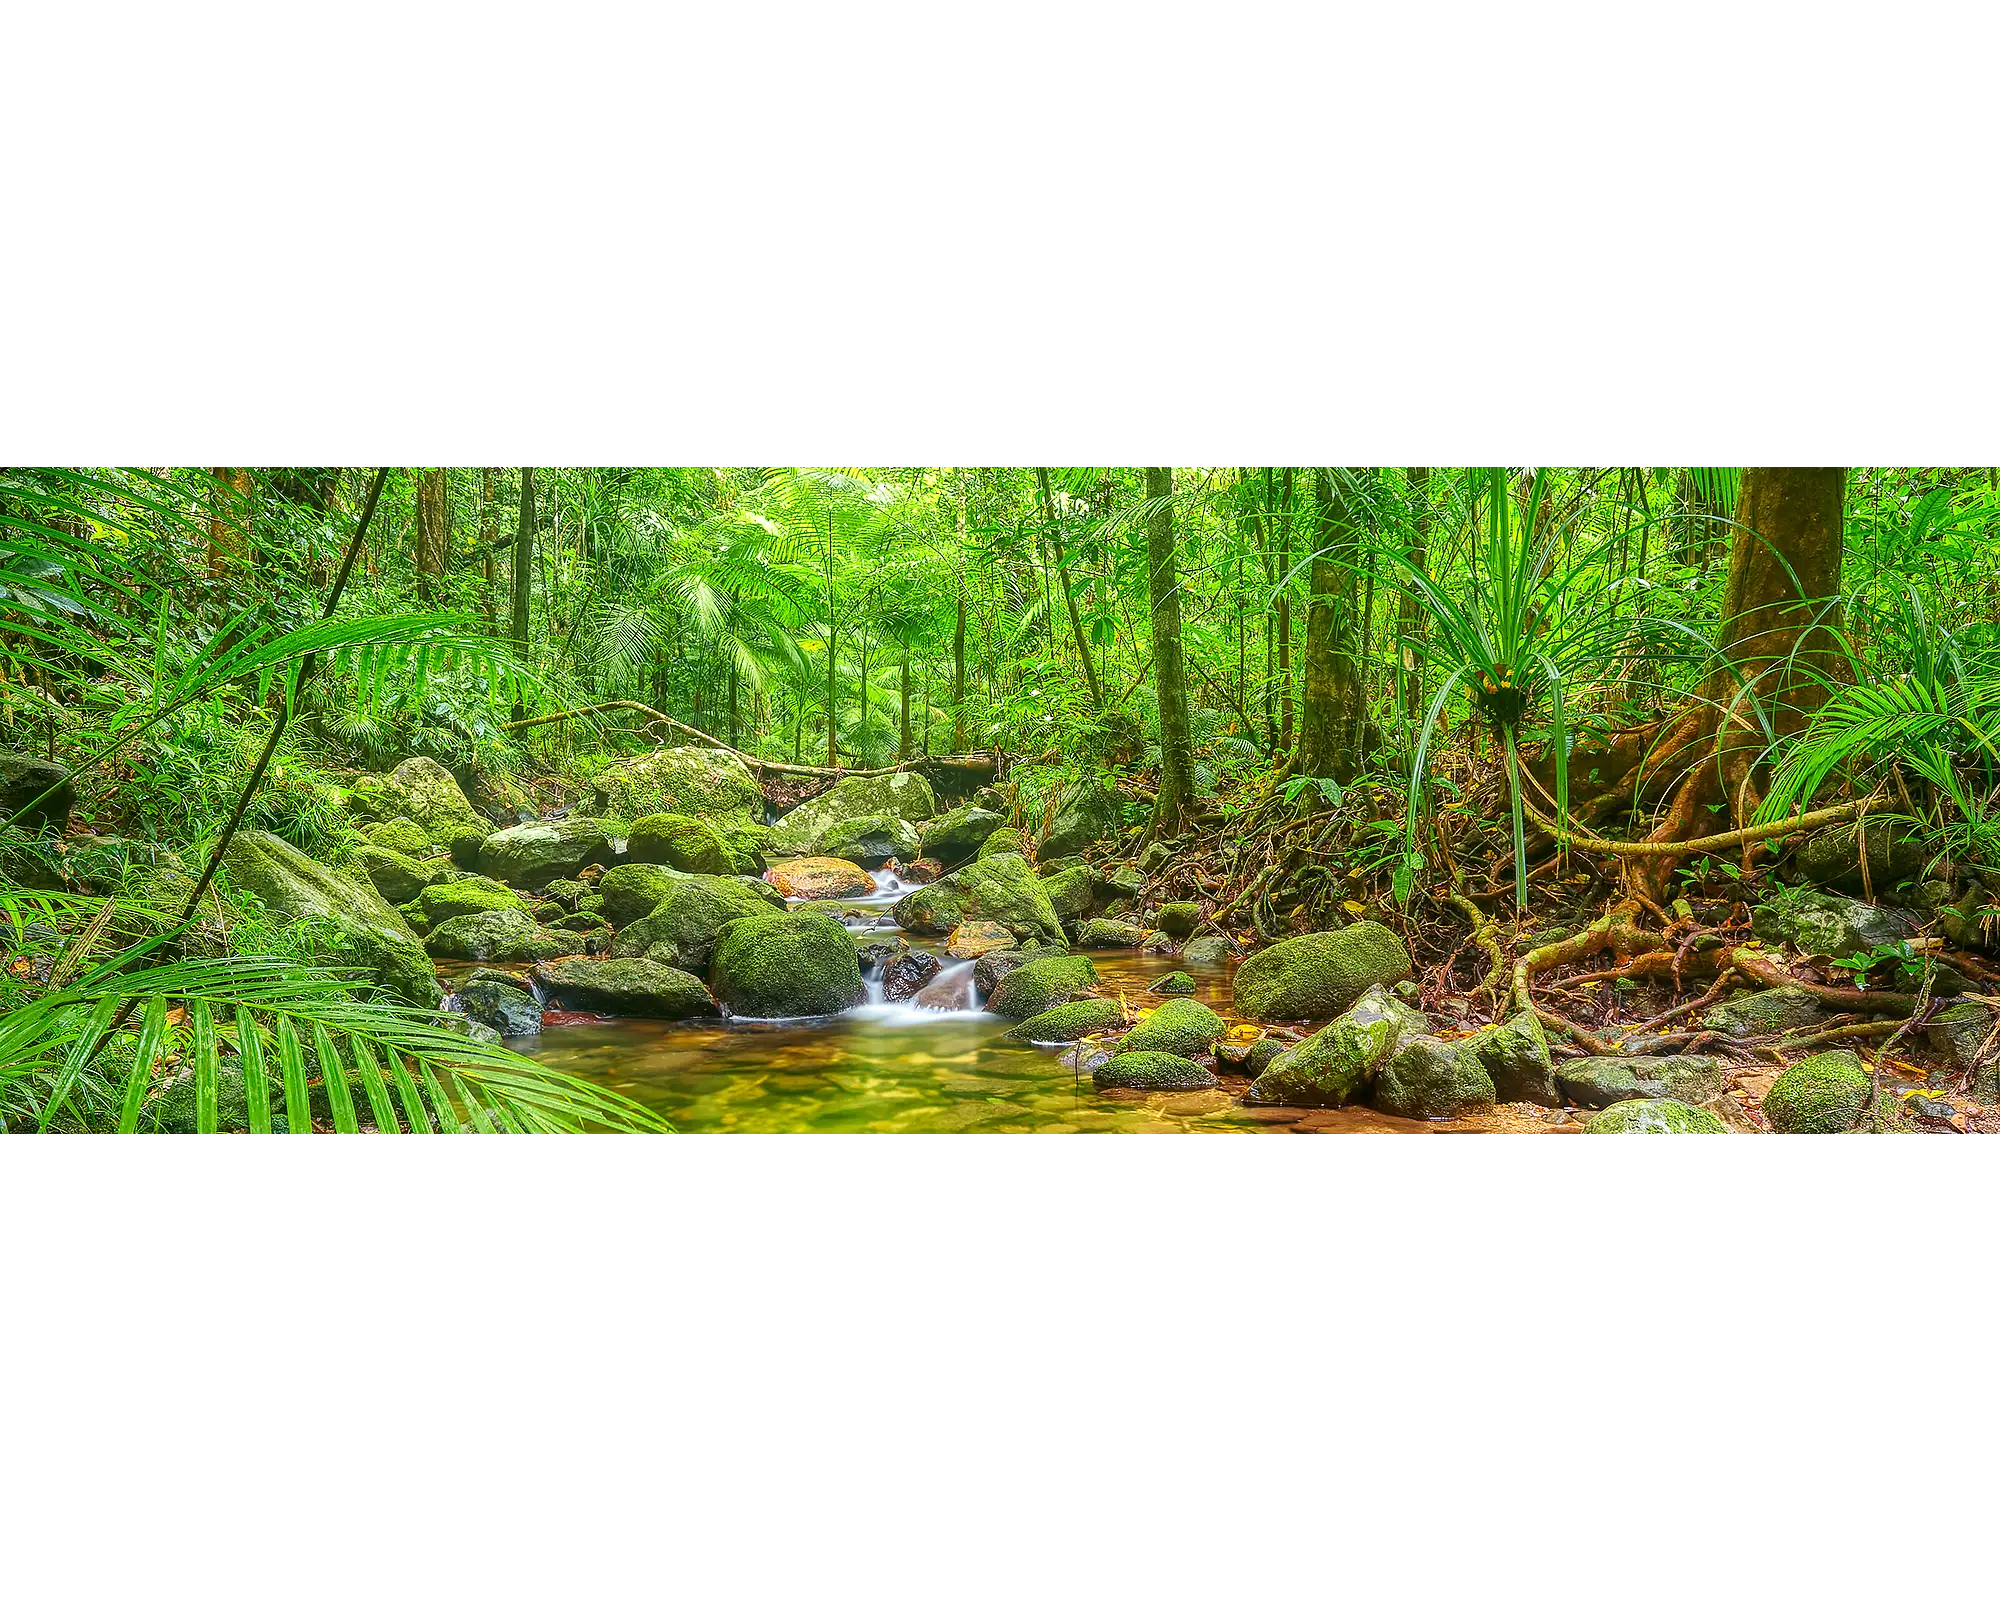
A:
{"x": 948, "y": 997}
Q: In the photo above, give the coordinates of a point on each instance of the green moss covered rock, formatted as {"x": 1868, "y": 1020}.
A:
{"x": 1825, "y": 1093}
{"x": 799, "y": 964}
{"x": 1319, "y": 974}
{"x": 1035, "y": 986}
{"x": 396, "y": 877}
{"x": 509, "y": 1011}
{"x": 684, "y": 783}
{"x": 1207, "y": 952}
{"x": 1070, "y": 892}
{"x": 1108, "y": 933}
{"x": 688, "y": 844}
{"x": 535, "y": 853}
{"x": 694, "y": 903}
{"x": 1151, "y": 1069}
{"x": 1179, "y": 1027}
{"x": 423, "y": 792}
{"x": 1515, "y": 1054}
{"x": 1827, "y": 924}
{"x": 500, "y": 936}
{"x": 1177, "y": 918}
{"x": 1088, "y": 814}
{"x": 1430, "y": 1080}
{"x": 748, "y": 844}
{"x": 401, "y": 835}
{"x": 462, "y": 897}
{"x": 956, "y": 835}
{"x": 1001, "y": 889}
{"x": 1656, "y": 1116}
{"x": 1004, "y": 842}
{"x": 897, "y": 794}
{"x": 630, "y": 988}
{"x": 1061, "y": 1024}
{"x": 871, "y": 840}
{"x": 1596, "y": 1081}
{"x": 1338, "y": 1065}
{"x": 360, "y": 928}
{"x": 1762, "y": 1011}
{"x": 1172, "y": 983}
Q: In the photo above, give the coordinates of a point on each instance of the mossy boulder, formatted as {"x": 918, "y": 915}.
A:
{"x": 688, "y": 844}
{"x": 566, "y": 892}
{"x": 360, "y": 928}
{"x": 646, "y": 940}
{"x": 42, "y": 787}
{"x": 461, "y": 897}
{"x": 1035, "y": 986}
{"x": 820, "y": 878}
{"x": 870, "y": 841}
{"x": 1338, "y": 1065}
{"x": 1108, "y": 933}
{"x": 905, "y": 795}
{"x": 1172, "y": 983}
{"x": 1004, "y": 842}
{"x": 501, "y": 936}
{"x": 1515, "y": 1054}
{"x": 684, "y": 783}
{"x": 638, "y": 889}
{"x": 971, "y": 940}
{"x": 1690, "y": 1078}
{"x": 1827, "y": 924}
{"x": 423, "y": 792}
{"x": 1088, "y": 814}
{"x": 1151, "y": 1069}
{"x": 1596, "y": 1081}
{"x": 396, "y": 877}
{"x": 1070, "y": 892}
{"x": 1825, "y": 1093}
{"x": 630, "y": 988}
{"x": 748, "y": 844}
{"x": 956, "y": 835}
{"x": 989, "y": 969}
{"x": 799, "y": 964}
{"x": 1177, "y": 918}
{"x": 1207, "y": 952}
{"x": 1831, "y": 857}
{"x": 1064, "y": 1023}
{"x": 684, "y": 910}
{"x": 401, "y": 835}
{"x": 1762, "y": 1011}
{"x": 535, "y": 853}
{"x": 1656, "y": 1116}
{"x": 509, "y": 1011}
{"x": 1319, "y": 974}
{"x": 1002, "y": 889}
{"x": 1431, "y": 1080}
{"x": 173, "y": 1109}
{"x": 1179, "y": 1027}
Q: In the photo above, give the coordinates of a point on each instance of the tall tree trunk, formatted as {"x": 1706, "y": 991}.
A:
{"x": 524, "y": 564}
{"x": 489, "y": 524}
{"x": 735, "y": 742}
{"x": 232, "y": 507}
{"x": 1285, "y": 616}
{"x": 1780, "y": 597}
{"x": 1176, "y": 797}
{"x": 432, "y": 491}
{"x": 1069, "y": 596}
{"x": 1332, "y": 728}
{"x": 903, "y": 743}
{"x": 958, "y": 678}
{"x": 1409, "y": 614}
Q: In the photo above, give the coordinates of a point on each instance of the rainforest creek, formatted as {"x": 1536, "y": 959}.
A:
{"x": 1231, "y": 800}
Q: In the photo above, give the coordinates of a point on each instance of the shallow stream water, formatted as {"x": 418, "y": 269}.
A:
{"x": 932, "y": 1064}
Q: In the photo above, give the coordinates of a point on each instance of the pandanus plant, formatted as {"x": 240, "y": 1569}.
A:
{"x": 1518, "y": 635}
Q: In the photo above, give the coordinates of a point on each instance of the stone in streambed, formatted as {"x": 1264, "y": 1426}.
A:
{"x": 1179, "y": 1027}
{"x": 1070, "y": 892}
{"x": 501, "y": 936}
{"x": 1430, "y": 1080}
{"x": 1003, "y": 842}
{"x": 1762, "y": 1011}
{"x": 1177, "y": 918}
{"x": 1656, "y": 1116}
{"x": 628, "y": 988}
{"x": 1037, "y": 985}
{"x": 870, "y": 841}
{"x": 1151, "y": 1069}
{"x": 401, "y": 835}
{"x": 990, "y": 968}
{"x": 819, "y": 878}
{"x": 534, "y": 853}
{"x": 1598, "y": 1081}
{"x": 904, "y": 795}
{"x": 1338, "y": 1065}
{"x": 1001, "y": 889}
{"x": 906, "y": 972}
{"x": 1207, "y": 952}
{"x": 1106, "y": 933}
{"x": 511, "y": 1012}
{"x": 1061, "y": 1024}
{"x": 1825, "y": 1093}
{"x": 461, "y": 897}
{"x": 1319, "y": 974}
{"x": 1515, "y": 1054}
{"x": 1173, "y": 983}
{"x": 799, "y": 964}
{"x": 693, "y": 905}
{"x": 688, "y": 844}
{"x": 971, "y": 940}
{"x": 955, "y": 836}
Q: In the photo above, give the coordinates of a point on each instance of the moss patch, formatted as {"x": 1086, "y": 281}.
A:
{"x": 1151, "y": 1069}
{"x": 799, "y": 964}
{"x": 1035, "y": 986}
{"x": 1656, "y": 1116}
{"x": 1319, "y": 974}
{"x": 1061, "y": 1024}
{"x": 1825, "y": 1093}
{"x": 1179, "y": 1027}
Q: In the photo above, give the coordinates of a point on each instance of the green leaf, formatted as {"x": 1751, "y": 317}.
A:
{"x": 152, "y": 1036}
{"x": 331, "y": 1074}
{"x": 207, "y": 1112}
{"x": 256, "y": 1083}
{"x": 292, "y": 1069}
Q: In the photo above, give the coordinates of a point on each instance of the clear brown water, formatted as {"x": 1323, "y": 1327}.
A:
{"x": 885, "y": 1068}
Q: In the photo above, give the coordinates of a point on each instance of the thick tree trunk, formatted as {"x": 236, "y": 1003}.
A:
{"x": 1176, "y": 797}
{"x": 231, "y": 509}
{"x": 1331, "y": 730}
{"x": 524, "y": 564}
{"x": 958, "y": 679}
{"x": 1781, "y": 595}
{"x": 432, "y": 490}
{"x": 1285, "y": 616}
{"x": 1069, "y": 595}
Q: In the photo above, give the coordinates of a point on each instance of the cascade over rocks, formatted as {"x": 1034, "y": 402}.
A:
{"x": 365, "y": 929}
{"x": 906, "y": 972}
{"x": 797, "y": 964}
{"x": 535, "y": 853}
{"x": 1319, "y": 974}
{"x": 686, "y": 782}
{"x": 624, "y": 988}
{"x": 904, "y": 795}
